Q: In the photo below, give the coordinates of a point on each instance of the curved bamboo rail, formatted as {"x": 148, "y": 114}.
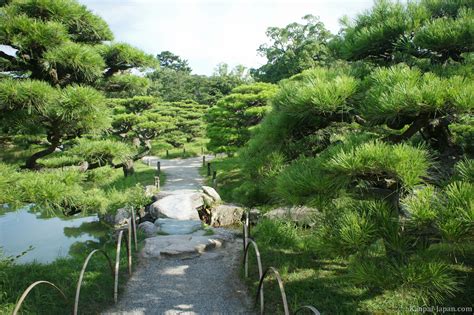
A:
{"x": 280, "y": 285}
{"x": 117, "y": 262}
{"x": 260, "y": 269}
{"x": 260, "y": 292}
{"x": 307, "y": 307}
{"x": 28, "y": 290}
{"x": 134, "y": 228}
{"x": 129, "y": 247}
{"x": 81, "y": 276}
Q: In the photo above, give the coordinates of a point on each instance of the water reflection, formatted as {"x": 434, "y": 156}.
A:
{"x": 50, "y": 237}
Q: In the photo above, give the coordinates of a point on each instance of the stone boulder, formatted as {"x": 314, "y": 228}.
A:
{"x": 224, "y": 215}
{"x": 178, "y": 206}
{"x": 117, "y": 219}
{"x": 160, "y": 195}
{"x": 211, "y": 192}
{"x": 299, "y": 214}
{"x": 208, "y": 201}
{"x": 148, "y": 228}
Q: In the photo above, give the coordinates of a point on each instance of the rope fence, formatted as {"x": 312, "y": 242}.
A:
{"x": 131, "y": 232}
{"x": 262, "y": 276}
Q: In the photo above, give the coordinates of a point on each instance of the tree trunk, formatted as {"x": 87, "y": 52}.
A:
{"x": 128, "y": 169}
{"x": 440, "y": 136}
{"x": 136, "y": 142}
{"x": 414, "y": 128}
{"x": 31, "y": 162}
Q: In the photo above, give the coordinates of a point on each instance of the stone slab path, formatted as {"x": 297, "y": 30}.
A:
{"x": 194, "y": 273}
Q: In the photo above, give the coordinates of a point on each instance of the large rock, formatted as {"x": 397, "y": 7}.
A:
{"x": 118, "y": 218}
{"x": 211, "y": 192}
{"x": 178, "y": 206}
{"x": 224, "y": 215}
{"x": 148, "y": 228}
{"x": 160, "y": 195}
{"x": 179, "y": 245}
{"x": 301, "y": 215}
{"x": 178, "y": 227}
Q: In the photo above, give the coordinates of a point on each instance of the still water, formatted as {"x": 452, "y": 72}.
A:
{"x": 47, "y": 237}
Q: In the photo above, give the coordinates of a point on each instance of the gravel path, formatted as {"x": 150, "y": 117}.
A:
{"x": 181, "y": 174}
{"x": 206, "y": 284}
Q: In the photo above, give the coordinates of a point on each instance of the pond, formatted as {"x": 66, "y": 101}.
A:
{"x": 47, "y": 238}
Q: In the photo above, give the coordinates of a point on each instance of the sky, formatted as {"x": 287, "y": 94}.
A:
{"x": 207, "y": 32}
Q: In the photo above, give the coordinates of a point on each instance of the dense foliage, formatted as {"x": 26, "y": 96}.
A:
{"x": 230, "y": 121}
{"x": 174, "y": 82}
{"x": 293, "y": 48}
{"x": 59, "y": 62}
{"x": 146, "y": 118}
{"x": 377, "y": 141}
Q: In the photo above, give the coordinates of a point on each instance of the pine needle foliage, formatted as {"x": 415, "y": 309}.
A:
{"x": 231, "y": 120}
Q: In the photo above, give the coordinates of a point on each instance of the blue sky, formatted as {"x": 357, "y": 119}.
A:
{"x": 207, "y": 32}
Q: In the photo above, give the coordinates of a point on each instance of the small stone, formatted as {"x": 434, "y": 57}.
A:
{"x": 118, "y": 218}
{"x": 212, "y": 193}
{"x": 300, "y": 214}
{"x": 224, "y": 215}
{"x": 148, "y": 228}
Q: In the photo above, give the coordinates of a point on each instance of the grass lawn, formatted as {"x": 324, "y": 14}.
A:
{"x": 325, "y": 283}
{"x": 192, "y": 149}
{"x": 229, "y": 176}
{"x": 114, "y": 179}
{"x": 312, "y": 279}
{"x": 97, "y": 287}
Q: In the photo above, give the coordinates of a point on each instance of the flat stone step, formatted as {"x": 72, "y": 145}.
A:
{"x": 182, "y": 246}
{"x": 177, "y": 227}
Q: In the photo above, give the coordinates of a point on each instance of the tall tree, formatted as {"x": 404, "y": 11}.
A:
{"x": 292, "y": 49}
{"x": 58, "y": 59}
{"x": 174, "y": 85}
{"x": 168, "y": 60}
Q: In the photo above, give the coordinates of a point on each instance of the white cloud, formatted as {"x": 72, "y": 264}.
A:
{"x": 207, "y": 32}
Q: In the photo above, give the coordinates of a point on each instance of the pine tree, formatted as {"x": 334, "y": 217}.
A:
{"x": 59, "y": 58}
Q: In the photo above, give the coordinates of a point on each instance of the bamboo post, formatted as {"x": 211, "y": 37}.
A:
{"x": 129, "y": 247}
{"x": 208, "y": 168}
{"x": 157, "y": 181}
{"x": 158, "y": 168}
{"x": 214, "y": 179}
{"x": 203, "y": 160}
